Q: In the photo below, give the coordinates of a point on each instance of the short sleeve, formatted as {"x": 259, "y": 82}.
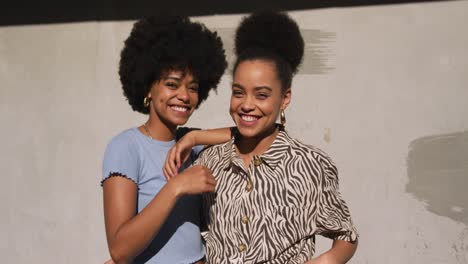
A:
{"x": 121, "y": 159}
{"x": 333, "y": 219}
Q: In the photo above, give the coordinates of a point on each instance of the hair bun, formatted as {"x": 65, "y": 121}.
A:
{"x": 276, "y": 32}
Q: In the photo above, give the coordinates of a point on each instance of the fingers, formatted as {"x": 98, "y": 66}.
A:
{"x": 170, "y": 168}
{"x": 166, "y": 169}
{"x": 166, "y": 173}
{"x": 177, "y": 159}
{"x": 208, "y": 184}
{"x": 196, "y": 179}
{"x": 172, "y": 162}
{"x": 211, "y": 181}
{"x": 211, "y": 185}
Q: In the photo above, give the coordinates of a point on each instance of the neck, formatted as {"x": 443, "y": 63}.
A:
{"x": 158, "y": 129}
{"x": 256, "y": 145}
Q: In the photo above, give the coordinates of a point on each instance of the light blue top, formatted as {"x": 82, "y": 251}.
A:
{"x": 137, "y": 157}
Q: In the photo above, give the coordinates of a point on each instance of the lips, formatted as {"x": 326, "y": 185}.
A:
{"x": 181, "y": 109}
{"x": 248, "y": 120}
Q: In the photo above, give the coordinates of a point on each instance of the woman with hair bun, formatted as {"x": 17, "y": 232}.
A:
{"x": 167, "y": 68}
{"x": 273, "y": 193}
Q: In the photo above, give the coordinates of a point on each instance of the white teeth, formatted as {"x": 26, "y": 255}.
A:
{"x": 179, "y": 108}
{"x": 248, "y": 118}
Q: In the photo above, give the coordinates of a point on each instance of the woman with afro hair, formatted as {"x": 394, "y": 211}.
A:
{"x": 167, "y": 68}
{"x": 273, "y": 192}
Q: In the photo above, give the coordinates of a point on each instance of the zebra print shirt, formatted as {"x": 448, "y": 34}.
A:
{"x": 271, "y": 211}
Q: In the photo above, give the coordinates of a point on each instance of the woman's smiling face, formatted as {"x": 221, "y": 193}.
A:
{"x": 174, "y": 97}
{"x": 257, "y": 98}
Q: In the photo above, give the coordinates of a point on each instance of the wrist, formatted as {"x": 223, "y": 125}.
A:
{"x": 192, "y": 137}
{"x": 174, "y": 189}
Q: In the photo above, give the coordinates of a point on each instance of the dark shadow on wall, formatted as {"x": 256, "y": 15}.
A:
{"x": 21, "y": 12}
{"x": 316, "y": 53}
{"x": 438, "y": 174}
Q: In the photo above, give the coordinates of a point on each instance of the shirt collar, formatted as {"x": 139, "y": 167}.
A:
{"x": 271, "y": 157}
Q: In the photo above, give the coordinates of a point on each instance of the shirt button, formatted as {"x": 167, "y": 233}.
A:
{"x": 257, "y": 161}
{"x": 245, "y": 219}
{"x": 242, "y": 248}
{"x": 249, "y": 186}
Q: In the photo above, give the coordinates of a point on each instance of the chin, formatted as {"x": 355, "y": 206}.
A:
{"x": 174, "y": 121}
{"x": 255, "y": 132}
{"x": 247, "y": 132}
{"x": 180, "y": 122}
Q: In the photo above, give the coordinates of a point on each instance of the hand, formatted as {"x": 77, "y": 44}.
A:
{"x": 177, "y": 155}
{"x": 194, "y": 180}
{"x": 110, "y": 261}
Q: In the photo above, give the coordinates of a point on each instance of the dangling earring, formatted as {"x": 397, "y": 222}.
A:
{"x": 146, "y": 101}
{"x": 282, "y": 118}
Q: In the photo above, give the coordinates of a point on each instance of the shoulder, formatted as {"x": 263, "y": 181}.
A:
{"x": 124, "y": 141}
{"x": 311, "y": 153}
{"x": 214, "y": 151}
{"x": 214, "y": 154}
{"x": 121, "y": 157}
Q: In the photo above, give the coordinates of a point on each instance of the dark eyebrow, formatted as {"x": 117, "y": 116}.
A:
{"x": 258, "y": 88}
{"x": 236, "y": 85}
{"x": 263, "y": 87}
{"x": 172, "y": 78}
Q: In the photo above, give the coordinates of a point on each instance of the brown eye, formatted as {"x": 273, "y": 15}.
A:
{"x": 194, "y": 88}
{"x": 172, "y": 85}
{"x": 237, "y": 93}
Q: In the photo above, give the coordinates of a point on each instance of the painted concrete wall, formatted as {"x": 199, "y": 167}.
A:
{"x": 383, "y": 90}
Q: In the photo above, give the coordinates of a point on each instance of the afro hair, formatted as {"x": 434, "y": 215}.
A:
{"x": 159, "y": 44}
{"x": 273, "y": 36}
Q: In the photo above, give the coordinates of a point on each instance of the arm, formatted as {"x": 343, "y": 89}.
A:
{"x": 180, "y": 152}
{"x": 333, "y": 219}
{"x": 210, "y": 136}
{"x": 128, "y": 233}
{"x": 340, "y": 253}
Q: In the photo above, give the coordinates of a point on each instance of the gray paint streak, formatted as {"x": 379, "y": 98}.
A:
{"x": 460, "y": 247}
{"x": 438, "y": 174}
{"x": 316, "y": 50}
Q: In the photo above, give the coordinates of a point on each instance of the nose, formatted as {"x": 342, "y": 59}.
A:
{"x": 183, "y": 94}
{"x": 248, "y": 104}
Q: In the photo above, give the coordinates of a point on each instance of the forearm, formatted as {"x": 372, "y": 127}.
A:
{"x": 136, "y": 234}
{"x": 340, "y": 253}
{"x": 210, "y": 136}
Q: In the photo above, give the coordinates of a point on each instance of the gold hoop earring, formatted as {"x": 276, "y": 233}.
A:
{"x": 146, "y": 101}
{"x": 282, "y": 118}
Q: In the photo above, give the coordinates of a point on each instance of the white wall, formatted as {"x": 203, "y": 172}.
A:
{"x": 384, "y": 90}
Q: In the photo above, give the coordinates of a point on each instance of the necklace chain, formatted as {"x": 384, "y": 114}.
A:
{"x": 147, "y": 131}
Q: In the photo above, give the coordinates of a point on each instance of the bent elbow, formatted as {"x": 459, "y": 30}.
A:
{"x": 118, "y": 257}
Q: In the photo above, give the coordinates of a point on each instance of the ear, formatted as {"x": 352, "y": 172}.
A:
{"x": 148, "y": 94}
{"x": 286, "y": 99}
